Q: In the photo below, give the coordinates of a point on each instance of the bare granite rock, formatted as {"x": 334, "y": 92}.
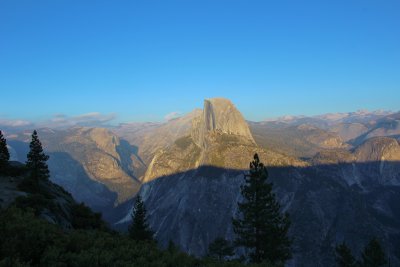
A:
{"x": 219, "y": 115}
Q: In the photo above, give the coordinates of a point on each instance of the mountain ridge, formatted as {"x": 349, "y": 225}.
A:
{"x": 189, "y": 171}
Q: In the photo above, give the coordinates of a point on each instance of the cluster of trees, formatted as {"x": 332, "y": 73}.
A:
{"x": 4, "y": 154}
{"x": 27, "y": 240}
{"x": 36, "y": 162}
{"x": 372, "y": 256}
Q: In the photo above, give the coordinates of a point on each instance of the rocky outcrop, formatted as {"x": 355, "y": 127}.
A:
{"x": 183, "y": 155}
{"x": 378, "y": 149}
{"x": 58, "y": 212}
{"x": 220, "y": 116}
{"x": 380, "y": 157}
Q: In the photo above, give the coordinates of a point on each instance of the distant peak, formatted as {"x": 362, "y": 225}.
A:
{"x": 219, "y": 115}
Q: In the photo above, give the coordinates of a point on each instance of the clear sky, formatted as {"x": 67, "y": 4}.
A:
{"x": 144, "y": 59}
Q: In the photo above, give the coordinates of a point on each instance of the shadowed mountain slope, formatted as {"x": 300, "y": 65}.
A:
{"x": 194, "y": 207}
{"x": 93, "y": 164}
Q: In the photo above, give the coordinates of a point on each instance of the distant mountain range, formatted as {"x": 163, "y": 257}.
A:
{"x": 334, "y": 118}
{"x": 338, "y": 175}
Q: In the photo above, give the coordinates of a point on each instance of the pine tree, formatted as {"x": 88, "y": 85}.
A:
{"x": 260, "y": 227}
{"x": 172, "y": 248}
{"x": 4, "y": 154}
{"x": 220, "y": 248}
{"x": 139, "y": 229}
{"x": 373, "y": 255}
{"x": 37, "y": 160}
{"x": 344, "y": 258}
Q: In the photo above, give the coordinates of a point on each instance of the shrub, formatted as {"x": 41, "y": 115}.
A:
{"x": 82, "y": 217}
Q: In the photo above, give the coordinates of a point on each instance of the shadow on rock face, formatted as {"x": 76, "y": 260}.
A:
{"x": 327, "y": 204}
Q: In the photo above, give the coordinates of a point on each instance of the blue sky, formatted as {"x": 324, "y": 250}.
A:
{"x": 141, "y": 60}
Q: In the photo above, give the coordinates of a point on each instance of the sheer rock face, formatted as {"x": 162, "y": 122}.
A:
{"x": 378, "y": 149}
{"x": 381, "y": 157}
{"x": 219, "y": 115}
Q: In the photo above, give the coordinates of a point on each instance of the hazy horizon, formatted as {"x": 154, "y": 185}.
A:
{"x": 95, "y": 119}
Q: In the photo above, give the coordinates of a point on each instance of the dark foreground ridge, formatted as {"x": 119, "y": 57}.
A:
{"x": 326, "y": 207}
{"x": 48, "y": 228}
